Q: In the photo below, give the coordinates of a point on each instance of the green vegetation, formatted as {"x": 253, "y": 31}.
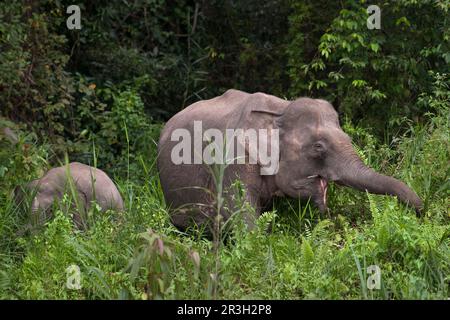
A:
{"x": 101, "y": 95}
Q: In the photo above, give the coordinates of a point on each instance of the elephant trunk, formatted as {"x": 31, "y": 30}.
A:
{"x": 359, "y": 176}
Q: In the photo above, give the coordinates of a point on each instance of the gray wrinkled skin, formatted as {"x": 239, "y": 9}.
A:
{"x": 313, "y": 151}
{"x": 89, "y": 183}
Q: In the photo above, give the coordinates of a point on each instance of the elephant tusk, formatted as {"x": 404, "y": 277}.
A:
{"x": 324, "y": 188}
{"x": 313, "y": 176}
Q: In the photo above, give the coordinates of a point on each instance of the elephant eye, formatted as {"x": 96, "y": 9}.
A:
{"x": 319, "y": 148}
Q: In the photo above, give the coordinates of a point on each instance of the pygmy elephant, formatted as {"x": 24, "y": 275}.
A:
{"x": 312, "y": 150}
{"x": 76, "y": 179}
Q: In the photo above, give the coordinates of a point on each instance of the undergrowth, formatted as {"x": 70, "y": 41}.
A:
{"x": 138, "y": 254}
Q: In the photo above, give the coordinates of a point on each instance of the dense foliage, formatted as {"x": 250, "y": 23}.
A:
{"x": 101, "y": 94}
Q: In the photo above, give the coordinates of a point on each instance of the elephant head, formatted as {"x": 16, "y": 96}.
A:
{"x": 314, "y": 150}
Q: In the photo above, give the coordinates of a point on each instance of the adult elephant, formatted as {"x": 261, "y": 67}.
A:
{"x": 313, "y": 150}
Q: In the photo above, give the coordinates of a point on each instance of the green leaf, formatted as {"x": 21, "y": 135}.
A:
{"x": 375, "y": 47}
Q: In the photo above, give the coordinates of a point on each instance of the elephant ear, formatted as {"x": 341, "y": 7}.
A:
{"x": 261, "y": 116}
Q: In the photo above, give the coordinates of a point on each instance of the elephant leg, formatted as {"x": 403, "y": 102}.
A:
{"x": 254, "y": 211}
{"x": 246, "y": 205}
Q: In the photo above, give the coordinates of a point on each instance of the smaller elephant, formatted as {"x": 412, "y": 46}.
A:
{"x": 10, "y": 135}
{"x": 89, "y": 184}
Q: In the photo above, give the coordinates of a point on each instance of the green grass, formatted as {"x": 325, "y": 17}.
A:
{"x": 138, "y": 254}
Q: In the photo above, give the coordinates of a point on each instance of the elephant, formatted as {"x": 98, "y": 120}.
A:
{"x": 313, "y": 151}
{"x": 10, "y": 135}
{"x": 89, "y": 184}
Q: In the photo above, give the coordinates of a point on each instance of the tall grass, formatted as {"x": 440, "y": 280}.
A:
{"x": 138, "y": 254}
